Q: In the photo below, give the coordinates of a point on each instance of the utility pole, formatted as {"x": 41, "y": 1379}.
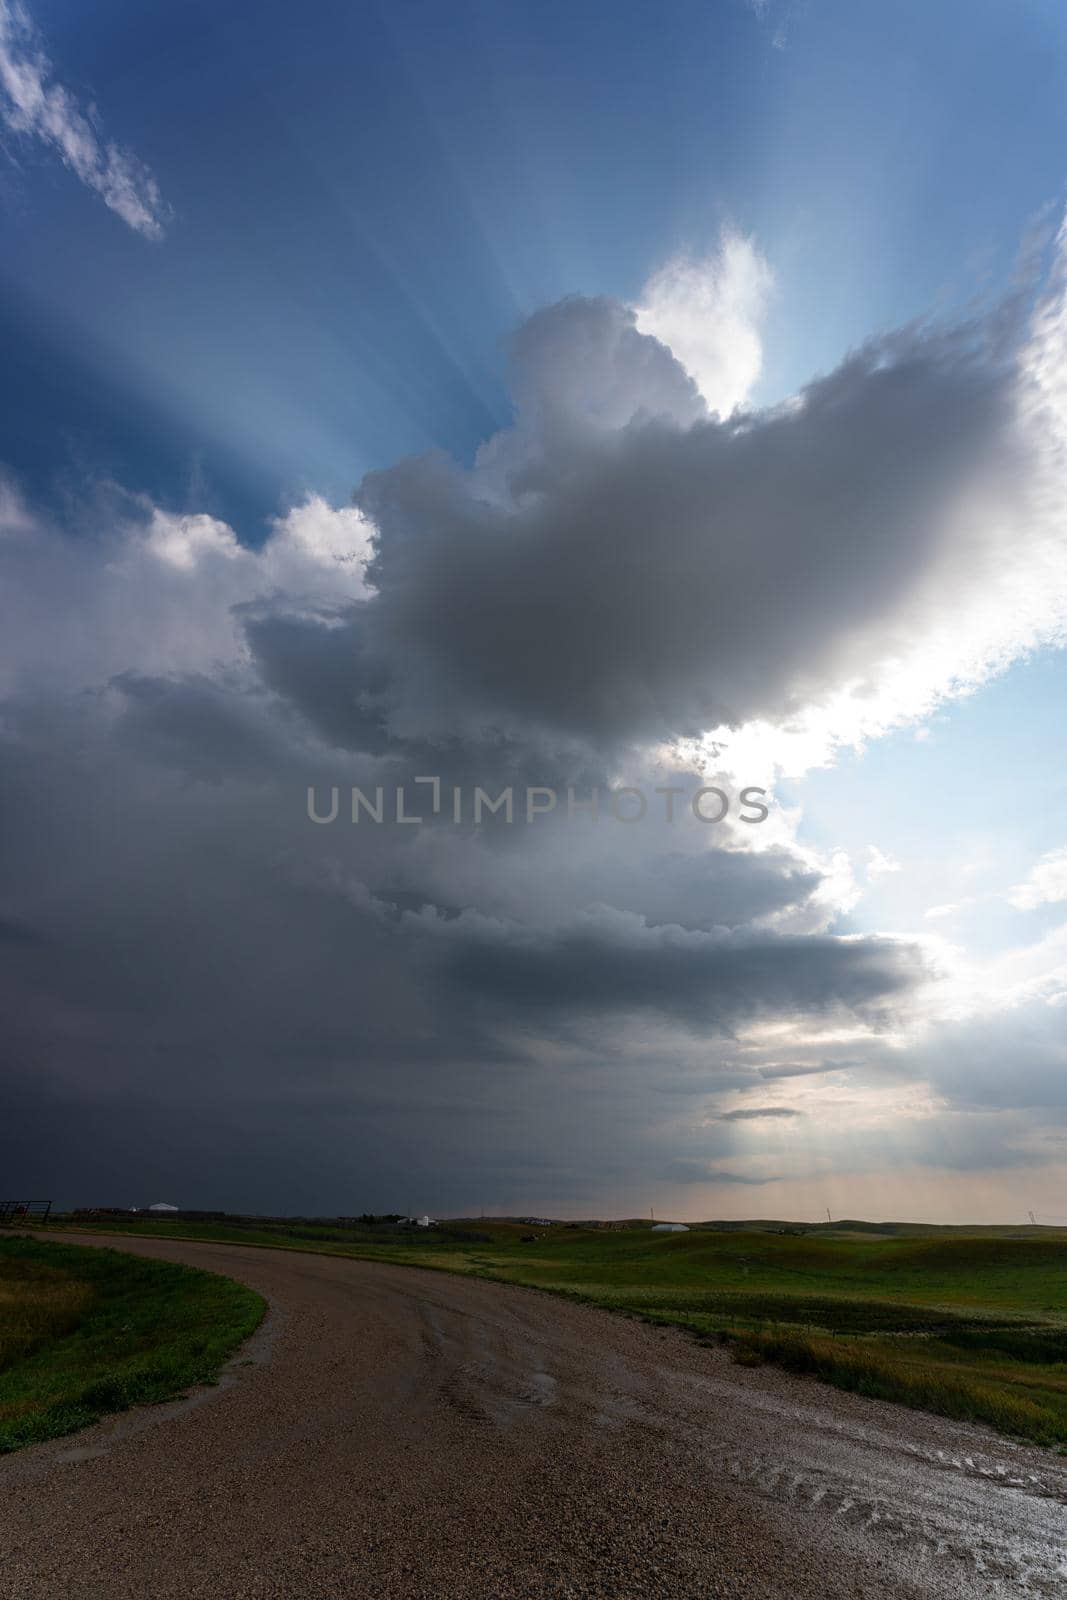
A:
{"x": 1033, "y": 1219}
{"x": 829, "y": 1218}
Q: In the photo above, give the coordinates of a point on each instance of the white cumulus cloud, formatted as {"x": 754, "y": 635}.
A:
{"x": 707, "y": 310}
{"x": 1046, "y": 884}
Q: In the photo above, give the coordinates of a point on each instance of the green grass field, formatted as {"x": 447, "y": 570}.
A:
{"x": 967, "y": 1322}
{"x": 84, "y": 1332}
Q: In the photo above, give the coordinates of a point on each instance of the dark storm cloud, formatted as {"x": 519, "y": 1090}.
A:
{"x": 319, "y": 666}
{"x": 611, "y": 961}
{"x": 615, "y": 570}
{"x": 185, "y": 937}
{"x": 194, "y": 913}
{"x": 203, "y": 728}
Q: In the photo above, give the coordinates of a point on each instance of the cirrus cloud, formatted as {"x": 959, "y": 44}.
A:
{"x": 34, "y": 106}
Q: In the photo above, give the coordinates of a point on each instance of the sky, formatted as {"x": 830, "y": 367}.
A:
{"x": 517, "y": 399}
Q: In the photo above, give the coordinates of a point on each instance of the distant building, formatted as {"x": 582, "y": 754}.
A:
{"x": 425, "y": 1222}
{"x": 669, "y": 1227}
{"x": 161, "y": 1205}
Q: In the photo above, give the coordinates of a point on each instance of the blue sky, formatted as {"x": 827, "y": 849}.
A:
{"x": 364, "y": 208}
{"x": 985, "y": 784}
{"x": 252, "y": 254}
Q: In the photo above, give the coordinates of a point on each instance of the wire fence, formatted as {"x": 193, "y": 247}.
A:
{"x": 35, "y": 1211}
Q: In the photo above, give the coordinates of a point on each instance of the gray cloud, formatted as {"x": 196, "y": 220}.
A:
{"x": 498, "y": 1005}
{"x": 613, "y": 961}
{"x": 691, "y": 1171}
{"x": 1014, "y": 1059}
{"x": 180, "y": 934}
{"x": 797, "y": 1069}
{"x": 756, "y": 1113}
{"x": 674, "y": 573}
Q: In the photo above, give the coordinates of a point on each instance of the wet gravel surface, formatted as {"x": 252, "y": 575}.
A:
{"x": 407, "y": 1435}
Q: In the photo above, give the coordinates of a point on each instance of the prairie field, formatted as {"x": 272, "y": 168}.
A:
{"x": 38, "y": 1302}
{"x": 967, "y": 1322}
{"x": 84, "y": 1332}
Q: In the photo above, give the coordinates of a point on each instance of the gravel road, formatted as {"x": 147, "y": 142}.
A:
{"x": 394, "y": 1434}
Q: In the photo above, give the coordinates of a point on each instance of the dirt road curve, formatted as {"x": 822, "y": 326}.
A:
{"x": 395, "y": 1433}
